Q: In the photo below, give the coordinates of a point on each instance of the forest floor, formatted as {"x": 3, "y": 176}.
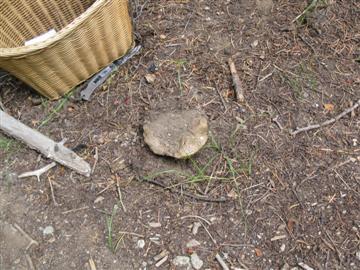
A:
{"x": 292, "y": 201}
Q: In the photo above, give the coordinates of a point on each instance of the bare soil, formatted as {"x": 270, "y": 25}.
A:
{"x": 288, "y": 199}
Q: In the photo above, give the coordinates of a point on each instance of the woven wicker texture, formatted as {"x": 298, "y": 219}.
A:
{"x": 89, "y": 36}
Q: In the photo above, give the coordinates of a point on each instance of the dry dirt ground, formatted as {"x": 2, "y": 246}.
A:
{"x": 290, "y": 201}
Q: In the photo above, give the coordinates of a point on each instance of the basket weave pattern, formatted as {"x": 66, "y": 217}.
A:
{"x": 89, "y": 35}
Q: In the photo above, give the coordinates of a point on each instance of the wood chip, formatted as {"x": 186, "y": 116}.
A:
{"x": 278, "y": 237}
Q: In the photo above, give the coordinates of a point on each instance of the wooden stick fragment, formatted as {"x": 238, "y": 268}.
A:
{"x": 29, "y": 262}
{"x": 239, "y": 91}
{"x": 327, "y": 122}
{"x": 38, "y": 172}
{"x": 221, "y": 262}
{"x": 34, "y": 139}
{"x": 27, "y": 236}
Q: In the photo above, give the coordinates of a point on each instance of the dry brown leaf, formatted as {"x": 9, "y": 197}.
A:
{"x": 290, "y": 225}
{"x": 329, "y": 107}
{"x": 258, "y": 252}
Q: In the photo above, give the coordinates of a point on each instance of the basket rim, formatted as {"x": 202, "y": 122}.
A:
{"x": 63, "y": 33}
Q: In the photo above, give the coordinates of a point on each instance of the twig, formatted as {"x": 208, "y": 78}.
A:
{"x": 92, "y": 264}
{"x": 161, "y": 262}
{"x": 221, "y": 98}
{"x": 207, "y": 231}
{"x": 306, "y": 10}
{"x": 52, "y": 192}
{"x": 38, "y": 172}
{"x": 29, "y": 262}
{"x": 327, "y": 122}
{"x": 221, "y": 262}
{"x": 181, "y": 192}
{"x": 75, "y": 210}
{"x": 193, "y": 216}
{"x": 239, "y": 91}
{"x": 32, "y": 241}
{"x": 132, "y": 233}
{"x": 334, "y": 245}
{"x": 276, "y": 121}
{"x": 119, "y": 193}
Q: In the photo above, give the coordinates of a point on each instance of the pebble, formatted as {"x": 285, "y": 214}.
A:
{"x": 358, "y": 255}
{"x": 49, "y": 230}
{"x": 196, "y": 262}
{"x": 192, "y": 243}
{"x": 183, "y": 262}
{"x": 140, "y": 243}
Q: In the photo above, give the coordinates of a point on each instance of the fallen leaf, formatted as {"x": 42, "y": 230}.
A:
{"x": 258, "y": 252}
{"x": 290, "y": 225}
{"x": 329, "y": 107}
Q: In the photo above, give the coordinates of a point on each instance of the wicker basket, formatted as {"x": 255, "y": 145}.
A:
{"x": 87, "y": 35}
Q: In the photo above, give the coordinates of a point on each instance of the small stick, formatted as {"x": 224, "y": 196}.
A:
{"x": 32, "y": 241}
{"x": 132, "y": 233}
{"x": 193, "y": 216}
{"x": 119, "y": 193}
{"x": 29, "y": 262}
{"x": 38, "y": 172}
{"x": 92, "y": 264}
{"x": 327, "y": 122}
{"x": 162, "y": 261}
{"x": 75, "y": 210}
{"x": 239, "y": 91}
{"x": 207, "y": 231}
{"x": 221, "y": 262}
{"x": 276, "y": 121}
{"x": 181, "y": 192}
{"x": 221, "y": 98}
{"x": 52, "y": 192}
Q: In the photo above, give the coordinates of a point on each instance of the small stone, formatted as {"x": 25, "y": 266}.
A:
{"x": 162, "y": 36}
{"x": 182, "y": 262}
{"x": 154, "y": 224}
{"x": 255, "y": 43}
{"x": 150, "y": 78}
{"x": 49, "y": 230}
{"x": 195, "y": 228}
{"x": 358, "y": 255}
{"x": 192, "y": 243}
{"x": 177, "y": 135}
{"x": 282, "y": 248}
{"x": 140, "y": 244}
{"x": 196, "y": 262}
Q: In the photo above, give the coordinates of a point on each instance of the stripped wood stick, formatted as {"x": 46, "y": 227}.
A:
{"x": 34, "y": 139}
{"x": 239, "y": 91}
{"x": 221, "y": 262}
{"x": 38, "y": 172}
{"x": 327, "y": 122}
